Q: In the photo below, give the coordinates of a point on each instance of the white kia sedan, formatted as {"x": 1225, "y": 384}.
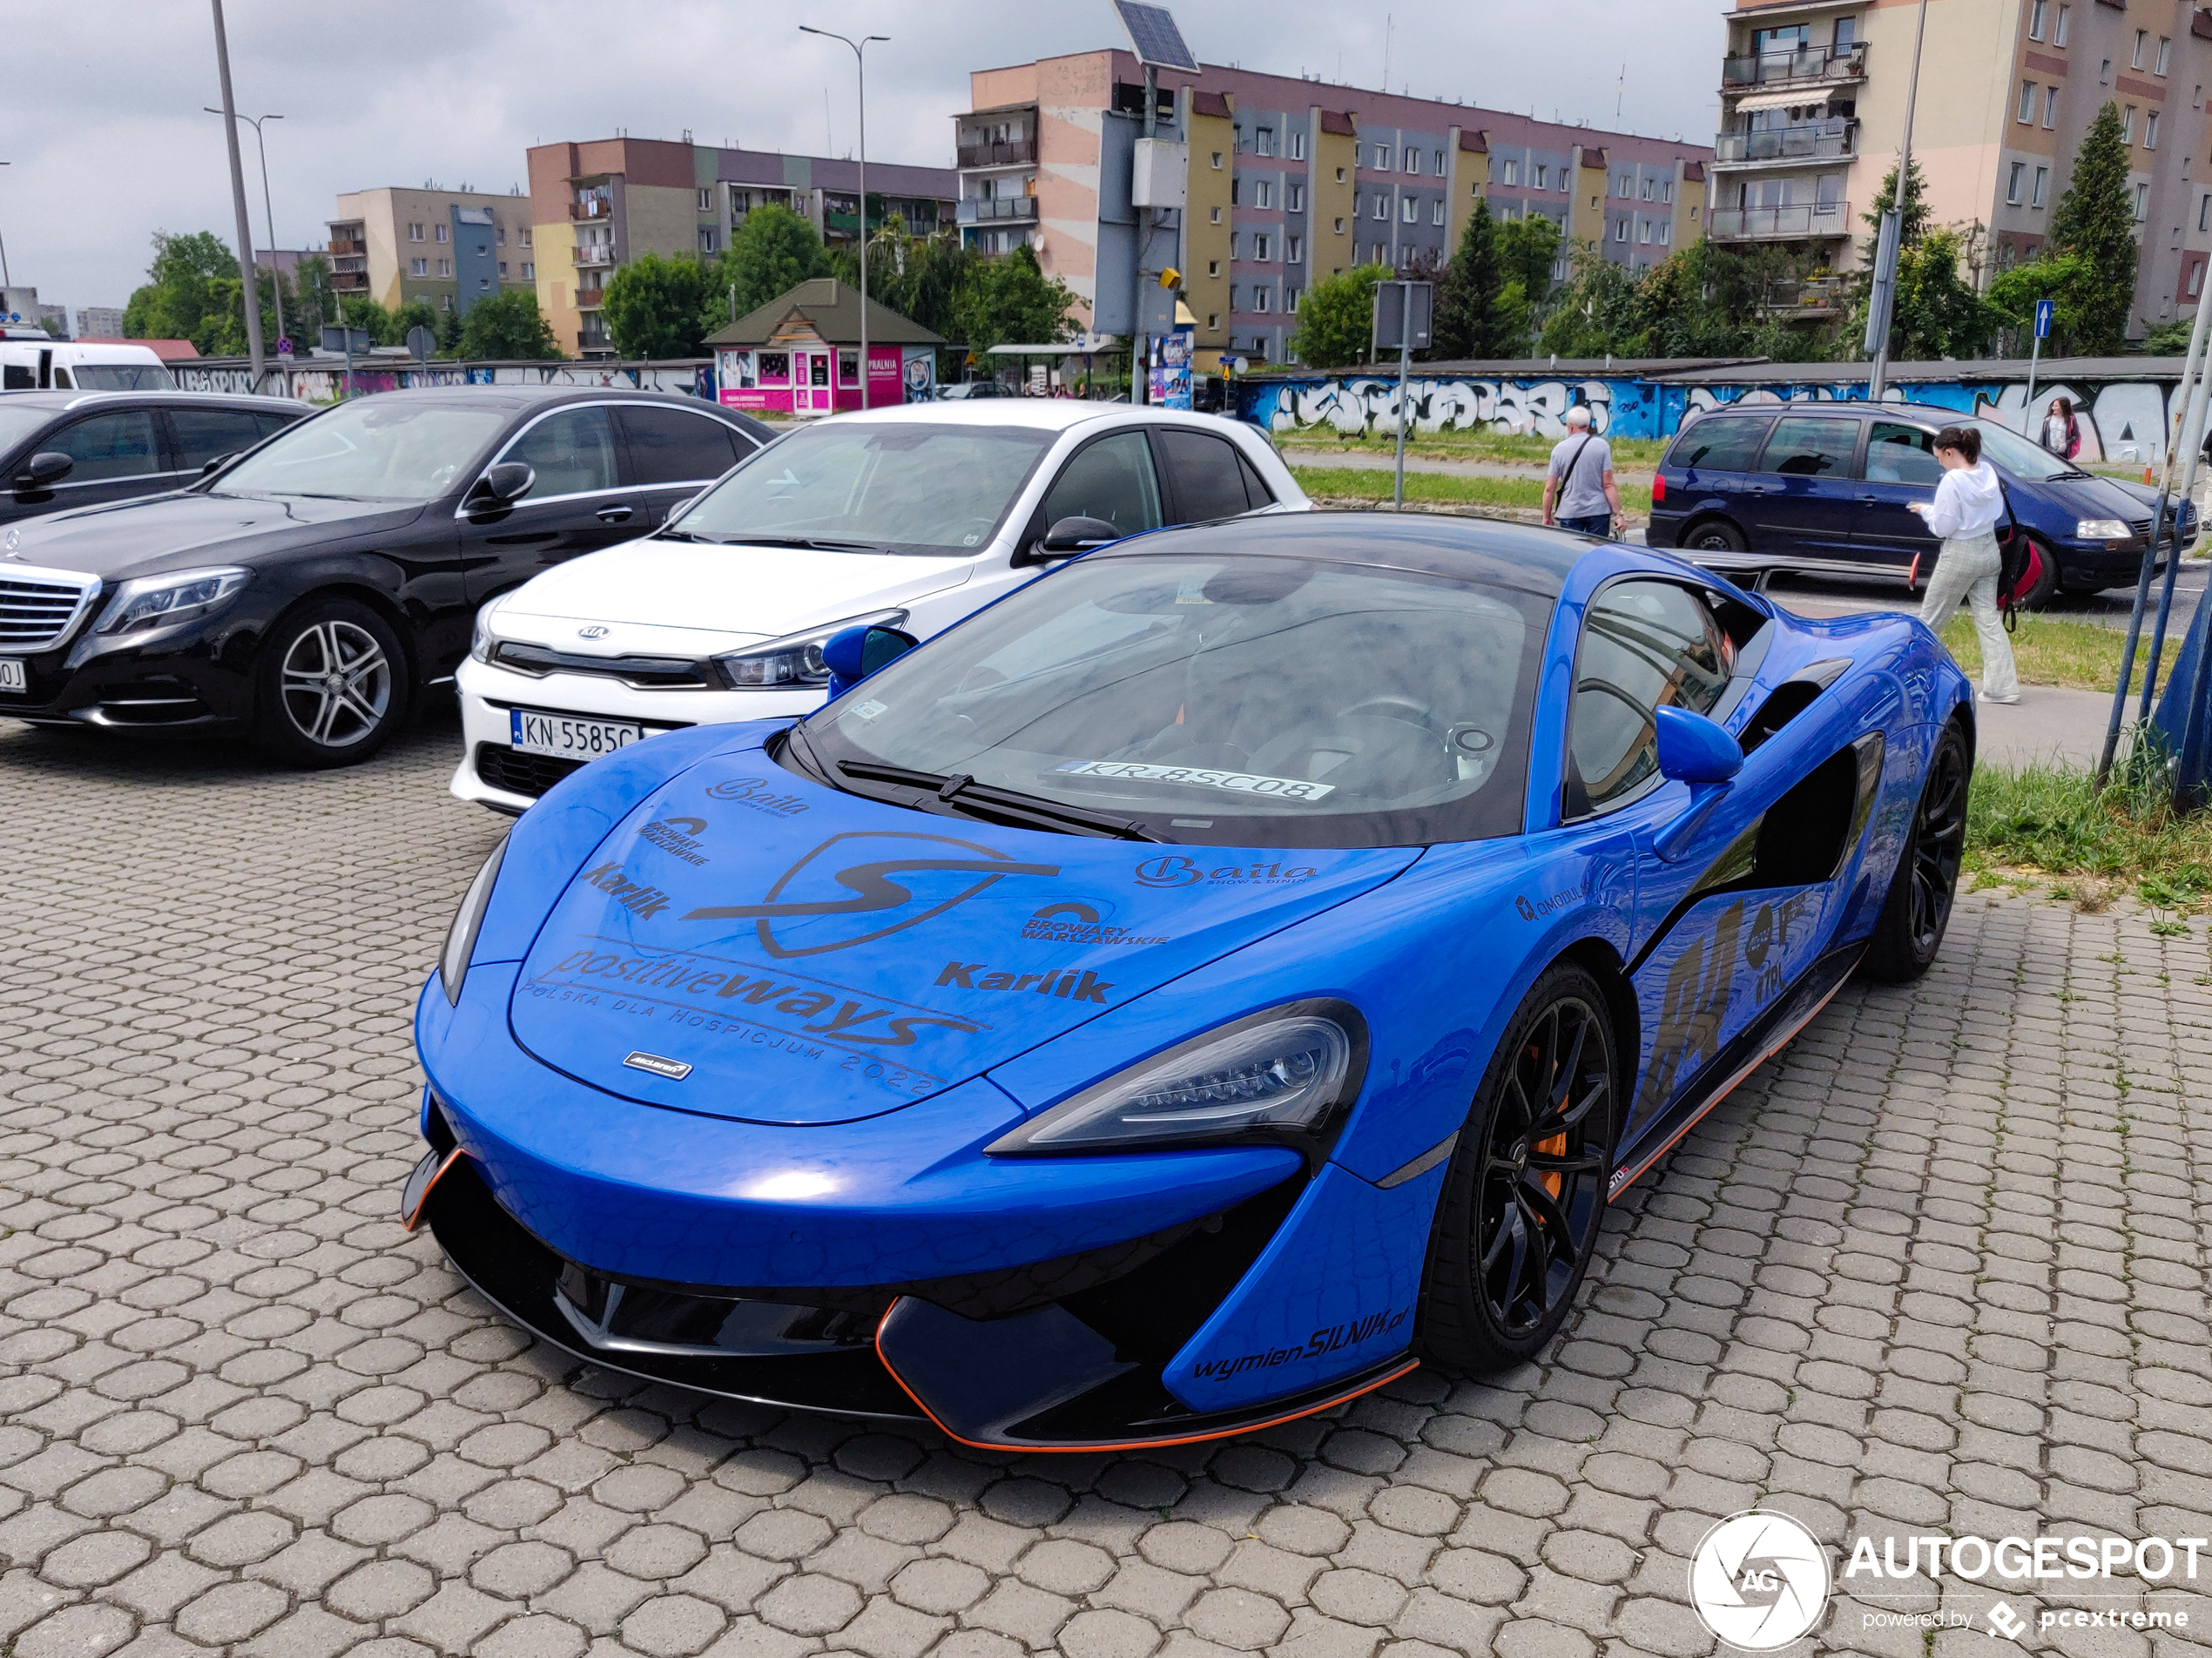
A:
{"x": 910, "y": 517}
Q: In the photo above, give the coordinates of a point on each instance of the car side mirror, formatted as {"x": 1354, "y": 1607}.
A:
{"x": 215, "y": 461}
{"x": 43, "y": 470}
{"x": 1698, "y": 751}
{"x": 1079, "y": 534}
{"x": 502, "y": 485}
{"x": 854, "y": 654}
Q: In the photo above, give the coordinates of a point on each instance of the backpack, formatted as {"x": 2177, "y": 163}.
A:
{"x": 2019, "y": 565}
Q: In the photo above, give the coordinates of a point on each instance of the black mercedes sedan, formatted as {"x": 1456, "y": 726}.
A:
{"x": 75, "y": 448}
{"x": 305, "y": 590}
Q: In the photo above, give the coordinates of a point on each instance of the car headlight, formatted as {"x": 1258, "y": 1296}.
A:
{"x": 147, "y": 601}
{"x": 794, "y": 662}
{"x": 2102, "y": 529}
{"x": 461, "y": 937}
{"x": 1280, "y": 1075}
{"x": 481, "y": 639}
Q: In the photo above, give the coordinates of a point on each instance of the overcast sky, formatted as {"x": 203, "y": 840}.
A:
{"x": 101, "y": 120}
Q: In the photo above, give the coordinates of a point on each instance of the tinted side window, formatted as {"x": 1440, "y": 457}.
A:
{"x": 1208, "y": 483}
{"x": 1806, "y": 446}
{"x": 571, "y": 452}
{"x": 1645, "y": 645}
{"x": 203, "y": 434}
{"x": 1113, "y": 479}
{"x": 670, "y": 446}
{"x": 271, "y": 424}
{"x": 1256, "y": 491}
{"x": 120, "y": 445}
{"x": 1901, "y": 454}
{"x": 1727, "y": 445}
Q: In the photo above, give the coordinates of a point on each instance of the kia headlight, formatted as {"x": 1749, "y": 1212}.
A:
{"x": 794, "y": 663}
{"x": 2102, "y": 529}
{"x": 1281, "y": 1076}
{"x": 461, "y": 937}
{"x": 150, "y": 600}
{"x": 481, "y": 639}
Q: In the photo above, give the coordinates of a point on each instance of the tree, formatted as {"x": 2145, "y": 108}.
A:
{"x": 312, "y": 301}
{"x": 1528, "y": 249}
{"x": 771, "y": 254}
{"x": 1336, "y": 319}
{"x": 412, "y": 314}
{"x": 2070, "y": 284}
{"x": 359, "y": 311}
{"x": 2095, "y": 221}
{"x": 191, "y": 294}
{"x": 1595, "y": 315}
{"x": 1913, "y": 224}
{"x": 1466, "y": 297}
{"x": 507, "y": 326}
{"x": 1936, "y": 313}
{"x": 654, "y": 307}
{"x": 1010, "y": 300}
{"x": 920, "y": 277}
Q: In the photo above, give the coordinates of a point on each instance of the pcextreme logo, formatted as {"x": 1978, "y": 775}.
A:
{"x": 1759, "y": 1580}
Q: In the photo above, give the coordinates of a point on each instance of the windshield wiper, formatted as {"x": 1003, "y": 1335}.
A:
{"x": 812, "y": 543}
{"x": 988, "y": 801}
{"x": 687, "y": 535}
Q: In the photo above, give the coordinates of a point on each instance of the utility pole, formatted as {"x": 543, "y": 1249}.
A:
{"x": 4, "y": 282}
{"x": 251, "y": 293}
{"x": 269, "y": 218}
{"x": 861, "y": 56}
{"x": 1893, "y": 231}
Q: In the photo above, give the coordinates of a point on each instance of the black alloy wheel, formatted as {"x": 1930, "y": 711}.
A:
{"x": 1714, "y": 535}
{"x": 1918, "y": 909}
{"x": 332, "y": 684}
{"x": 1526, "y": 1193}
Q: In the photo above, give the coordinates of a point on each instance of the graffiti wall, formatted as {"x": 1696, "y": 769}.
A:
{"x": 323, "y": 383}
{"x": 2121, "y": 420}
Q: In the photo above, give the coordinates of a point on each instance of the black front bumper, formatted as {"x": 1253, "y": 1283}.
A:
{"x": 188, "y": 682}
{"x": 1064, "y": 1355}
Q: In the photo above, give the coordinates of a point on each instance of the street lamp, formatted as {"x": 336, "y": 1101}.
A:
{"x": 861, "y": 56}
{"x": 276, "y": 275}
{"x": 249, "y": 294}
{"x": 4, "y": 282}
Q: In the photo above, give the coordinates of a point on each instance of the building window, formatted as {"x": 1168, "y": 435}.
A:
{"x": 1381, "y": 255}
{"x": 2128, "y": 124}
{"x": 1261, "y": 299}
{"x": 2165, "y": 56}
{"x": 1439, "y": 164}
{"x": 1510, "y": 172}
{"x": 1235, "y": 193}
{"x": 1339, "y": 226}
{"x": 1232, "y": 296}
{"x": 484, "y": 285}
{"x": 442, "y": 233}
{"x": 2142, "y": 203}
{"x": 1644, "y": 231}
{"x": 1294, "y": 199}
{"x": 2018, "y": 177}
{"x": 415, "y": 267}
{"x": 1262, "y": 193}
{"x": 1294, "y": 249}
{"x": 2104, "y": 73}
{"x": 445, "y": 268}
{"x": 2042, "y": 183}
{"x": 1413, "y": 160}
{"x": 500, "y": 235}
{"x": 2036, "y": 19}
{"x": 706, "y": 199}
{"x": 1625, "y": 188}
{"x": 1290, "y": 300}
{"x": 2050, "y": 106}
{"x": 1217, "y": 161}
{"x": 1409, "y": 210}
{"x": 1265, "y": 141}
{"x": 1436, "y": 212}
{"x": 2196, "y": 278}
{"x": 2059, "y": 29}
{"x": 1380, "y": 207}
{"x": 1214, "y": 218}
{"x": 2026, "y": 111}
{"x": 523, "y": 236}
{"x": 1382, "y": 158}
{"x": 2142, "y": 45}
{"x": 707, "y": 239}
{"x": 1666, "y": 232}
{"x": 1298, "y": 145}
{"x": 530, "y": 271}
{"x": 1541, "y": 176}
{"x": 2150, "y": 131}
{"x": 502, "y": 270}
{"x": 1621, "y": 231}
{"x": 445, "y": 302}
{"x": 413, "y": 234}
{"x": 1213, "y": 267}
{"x": 1263, "y": 247}
{"x": 1232, "y": 244}
{"x": 1340, "y": 175}
{"x": 1213, "y": 320}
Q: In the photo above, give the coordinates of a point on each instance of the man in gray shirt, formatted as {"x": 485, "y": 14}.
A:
{"x": 1579, "y": 491}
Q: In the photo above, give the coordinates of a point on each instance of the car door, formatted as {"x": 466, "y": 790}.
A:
{"x": 116, "y": 453}
{"x": 1803, "y": 496}
{"x": 1207, "y": 478}
{"x": 1114, "y": 478}
{"x": 199, "y": 435}
{"x": 1900, "y": 469}
{"x": 1718, "y": 458}
{"x": 1731, "y": 906}
{"x": 578, "y": 505}
{"x": 674, "y": 454}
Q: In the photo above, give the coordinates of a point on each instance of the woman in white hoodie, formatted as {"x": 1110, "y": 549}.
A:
{"x": 1969, "y": 504}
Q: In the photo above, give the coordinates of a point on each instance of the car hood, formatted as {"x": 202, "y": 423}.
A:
{"x": 2143, "y": 497}
{"x": 749, "y": 945}
{"x": 760, "y": 592}
{"x": 154, "y": 533}
{"x": 2091, "y": 497}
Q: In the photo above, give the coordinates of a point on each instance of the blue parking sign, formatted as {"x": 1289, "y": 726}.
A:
{"x": 2043, "y": 308}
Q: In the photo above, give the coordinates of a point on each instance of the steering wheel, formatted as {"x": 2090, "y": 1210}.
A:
{"x": 1391, "y": 706}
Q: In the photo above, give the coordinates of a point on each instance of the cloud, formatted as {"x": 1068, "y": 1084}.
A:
{"x": 103, "y": 124}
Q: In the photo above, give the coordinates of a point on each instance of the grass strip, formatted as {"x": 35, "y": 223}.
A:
{"x": 2053, "y": 651}
{"x": 1471, "y": 446}
{"x": 1367, "y": 483}
{"x": 2049, "y": 822}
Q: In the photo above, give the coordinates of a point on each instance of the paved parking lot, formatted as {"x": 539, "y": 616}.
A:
{"x": 1938, "y": 1268}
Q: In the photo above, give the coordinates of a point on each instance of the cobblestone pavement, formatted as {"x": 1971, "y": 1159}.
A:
{"x": 1938, "y": 1268}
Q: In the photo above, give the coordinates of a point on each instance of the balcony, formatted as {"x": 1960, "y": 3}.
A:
{"x": 348, "y": 249}
{"x": 998, "y": 210}
{"x": 1814, "y": 66}
{"x": 594, "y": 254}
{"x": 1810, "y": 141}
{"x": 1012, "y": 153}
{"x": 591, "y": 298}
{"x": 349, "y": 281}
{"x": 1795, "y": 222}
{"x": 1811, "y": 297}
{"x": 591, "y": 207}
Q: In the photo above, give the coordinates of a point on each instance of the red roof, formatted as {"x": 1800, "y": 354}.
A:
{"x": 168, "y": 350}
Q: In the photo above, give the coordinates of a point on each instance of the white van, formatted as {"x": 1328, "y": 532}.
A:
{"x": 63, "y": 365}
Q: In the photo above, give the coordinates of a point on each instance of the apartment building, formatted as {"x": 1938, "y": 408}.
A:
{"x": 99, "y": 322}
{"x": 1287, "y": 183}
{"x": 1813, "y": 111}
{"x": 447, "y": 248}
{"x": 597, "y": 204}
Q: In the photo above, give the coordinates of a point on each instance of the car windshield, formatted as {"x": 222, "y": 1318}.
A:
{"x": 2024, "y": 460}
{"x": 1233, "y": 700}
{"x": 893, "y": 486}
{"x": 16, "y": 424}
{"x": 389, "y": 447}
{"x": 123, "y": 377}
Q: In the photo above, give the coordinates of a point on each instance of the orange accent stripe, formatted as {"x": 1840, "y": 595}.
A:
{"x": 1131, "y": 1444}
{"x": 415, "y": 1219}
{"x": 1766, "y": 1053}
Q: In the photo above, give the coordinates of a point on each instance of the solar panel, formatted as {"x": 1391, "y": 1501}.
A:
{"x": 1152, "y": 31}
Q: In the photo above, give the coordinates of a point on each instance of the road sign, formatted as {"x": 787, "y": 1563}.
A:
{"x": 2043, "y": 309}
{"x": 1394, "y": 301}
{"x": 343, "y": 340}
{"x": 284, "y": 346}
{"x": 421, "y": 342}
